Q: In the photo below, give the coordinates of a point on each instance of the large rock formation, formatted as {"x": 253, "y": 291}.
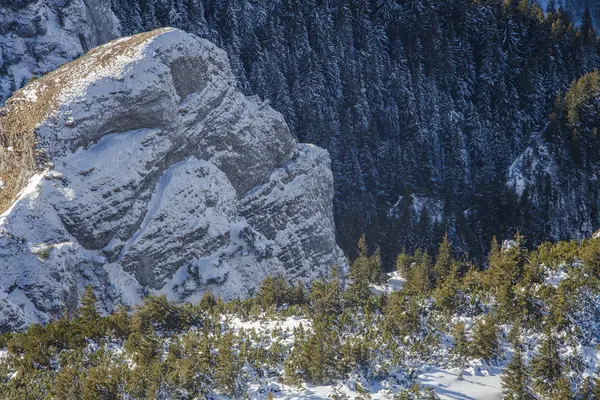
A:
{"x": 141, "y": 168}
{"x": 36, "y": 36}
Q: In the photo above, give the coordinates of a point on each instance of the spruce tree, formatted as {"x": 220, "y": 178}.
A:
{"x": 226, "y": 368}
{"x": 403, "y": 263}
{"x": 326, "y": 295}
{"x": 562, "y": 389}
{"x": 119, "y": 323}
{"x": 299, "y": 295}
{"x": 596, "y": 388}
{"x": 461, "y": 344}
{"x": 447, "y": 294}
{"x": 67, "y": 384}
{"x": 268, "y": 293}
{"x": 546, "y": 366}
{"x": 419, "y": 281}
{"x": 485, "y": 343}
{"x": 515, "y": 378}
{"x": 359, "y": 289}
{"x": 88, "y": 320}
{"x": 586, "y": 390}
{"x": 444, "y": 261}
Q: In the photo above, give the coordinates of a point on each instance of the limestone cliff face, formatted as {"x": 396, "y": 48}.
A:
{"x": 140, "y": 167}
{"x": 36, "y": 36}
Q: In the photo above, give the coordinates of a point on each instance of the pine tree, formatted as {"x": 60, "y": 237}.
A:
{"x": 546, "y": 366}
{"x": 226, "y": 368}
{"x": 268, "y": 293}
{"x": 596, "y": 388}
{"x": 88, "y": 320}
{"x": 444, "y": 261}
{"x": 419, "y": 281}
{"x": 461, "y": 344}
{"x": 119, "y": 323}
{"x": 447, "y": 294}
{"x": 559, "y": 308}
{"x": 562, "y": 390}
{"x": 67, "y": 385}
{"x": 586, "y": 391}
{"x": 403, "y": 263}
{"x": 515, "y": 378}
{"x": 359, "y": 289}
{"x": 299, "y": 295}
{"x": 326, "y": 295}
{"x": 103, "y": 381}
{"x": 485, "y": 343}
{"x": 429, "y": 394}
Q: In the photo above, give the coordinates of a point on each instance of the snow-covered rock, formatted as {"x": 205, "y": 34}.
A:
{"x": 509, "y": 244}
{"x": 140, "y": 167}
{"x": 36, "y": 36}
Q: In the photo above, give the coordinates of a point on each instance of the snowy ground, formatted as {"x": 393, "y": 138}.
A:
{"x": 485, "y": 384}
{"x": 476, "y": 385}
{"x": 394, "y": 284}
{"x": 310, "y": 392}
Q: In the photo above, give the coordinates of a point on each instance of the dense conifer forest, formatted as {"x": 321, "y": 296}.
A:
{"x": 439, "y": 114}
{"x": 534, "y": 311}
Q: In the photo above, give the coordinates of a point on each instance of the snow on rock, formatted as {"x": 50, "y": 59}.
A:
{"x": 394, "y": 283}
{"x": 509, "y": 244}
{"x": 533, "y": 163}
{"x": 36, "y": 36}
{"x": 140, "y": 167}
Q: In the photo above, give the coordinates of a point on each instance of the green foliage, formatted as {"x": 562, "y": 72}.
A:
{"x": 581, "y": 99}
{"x": 226, "y": 367}
{"x": 546, "y": 367}
{"x": 403, "y": 263}
{"x": 326, "y": 296}
{"x": 192, "y": 350}
{"x": 589, "y": 253}
{"x": 364, "y": 271}
{"x": 596, "y": 389}
{"x": 444, "y": 261}
{"x": 461, "y": 344}
{"x": 119, "y": 323}
{"x": 156, "y": 312}
{"x": 87, "y": 320}
{"x": 515, "y": 378}
{"x": 276, "y": 291}
{"x": 420, "y": 279}
{"x": 485, "y": 344}
{"x": 403, "y": 314}
{"x": 587, "y": 389}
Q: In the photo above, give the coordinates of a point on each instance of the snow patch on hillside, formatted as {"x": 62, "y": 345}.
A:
{"x": 533, "y": 163}
{"x": 475, "y": 384}
{"x": 395, "y": 282}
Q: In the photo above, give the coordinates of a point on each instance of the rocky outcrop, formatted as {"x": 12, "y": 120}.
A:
{"x": 36, "y": 36}
{"x": 140, "y": 167}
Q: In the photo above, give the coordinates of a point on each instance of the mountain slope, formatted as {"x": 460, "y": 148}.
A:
{"x": 133, "y": 177}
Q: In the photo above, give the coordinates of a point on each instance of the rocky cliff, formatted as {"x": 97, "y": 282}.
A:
{"x": 140, "y": 167}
